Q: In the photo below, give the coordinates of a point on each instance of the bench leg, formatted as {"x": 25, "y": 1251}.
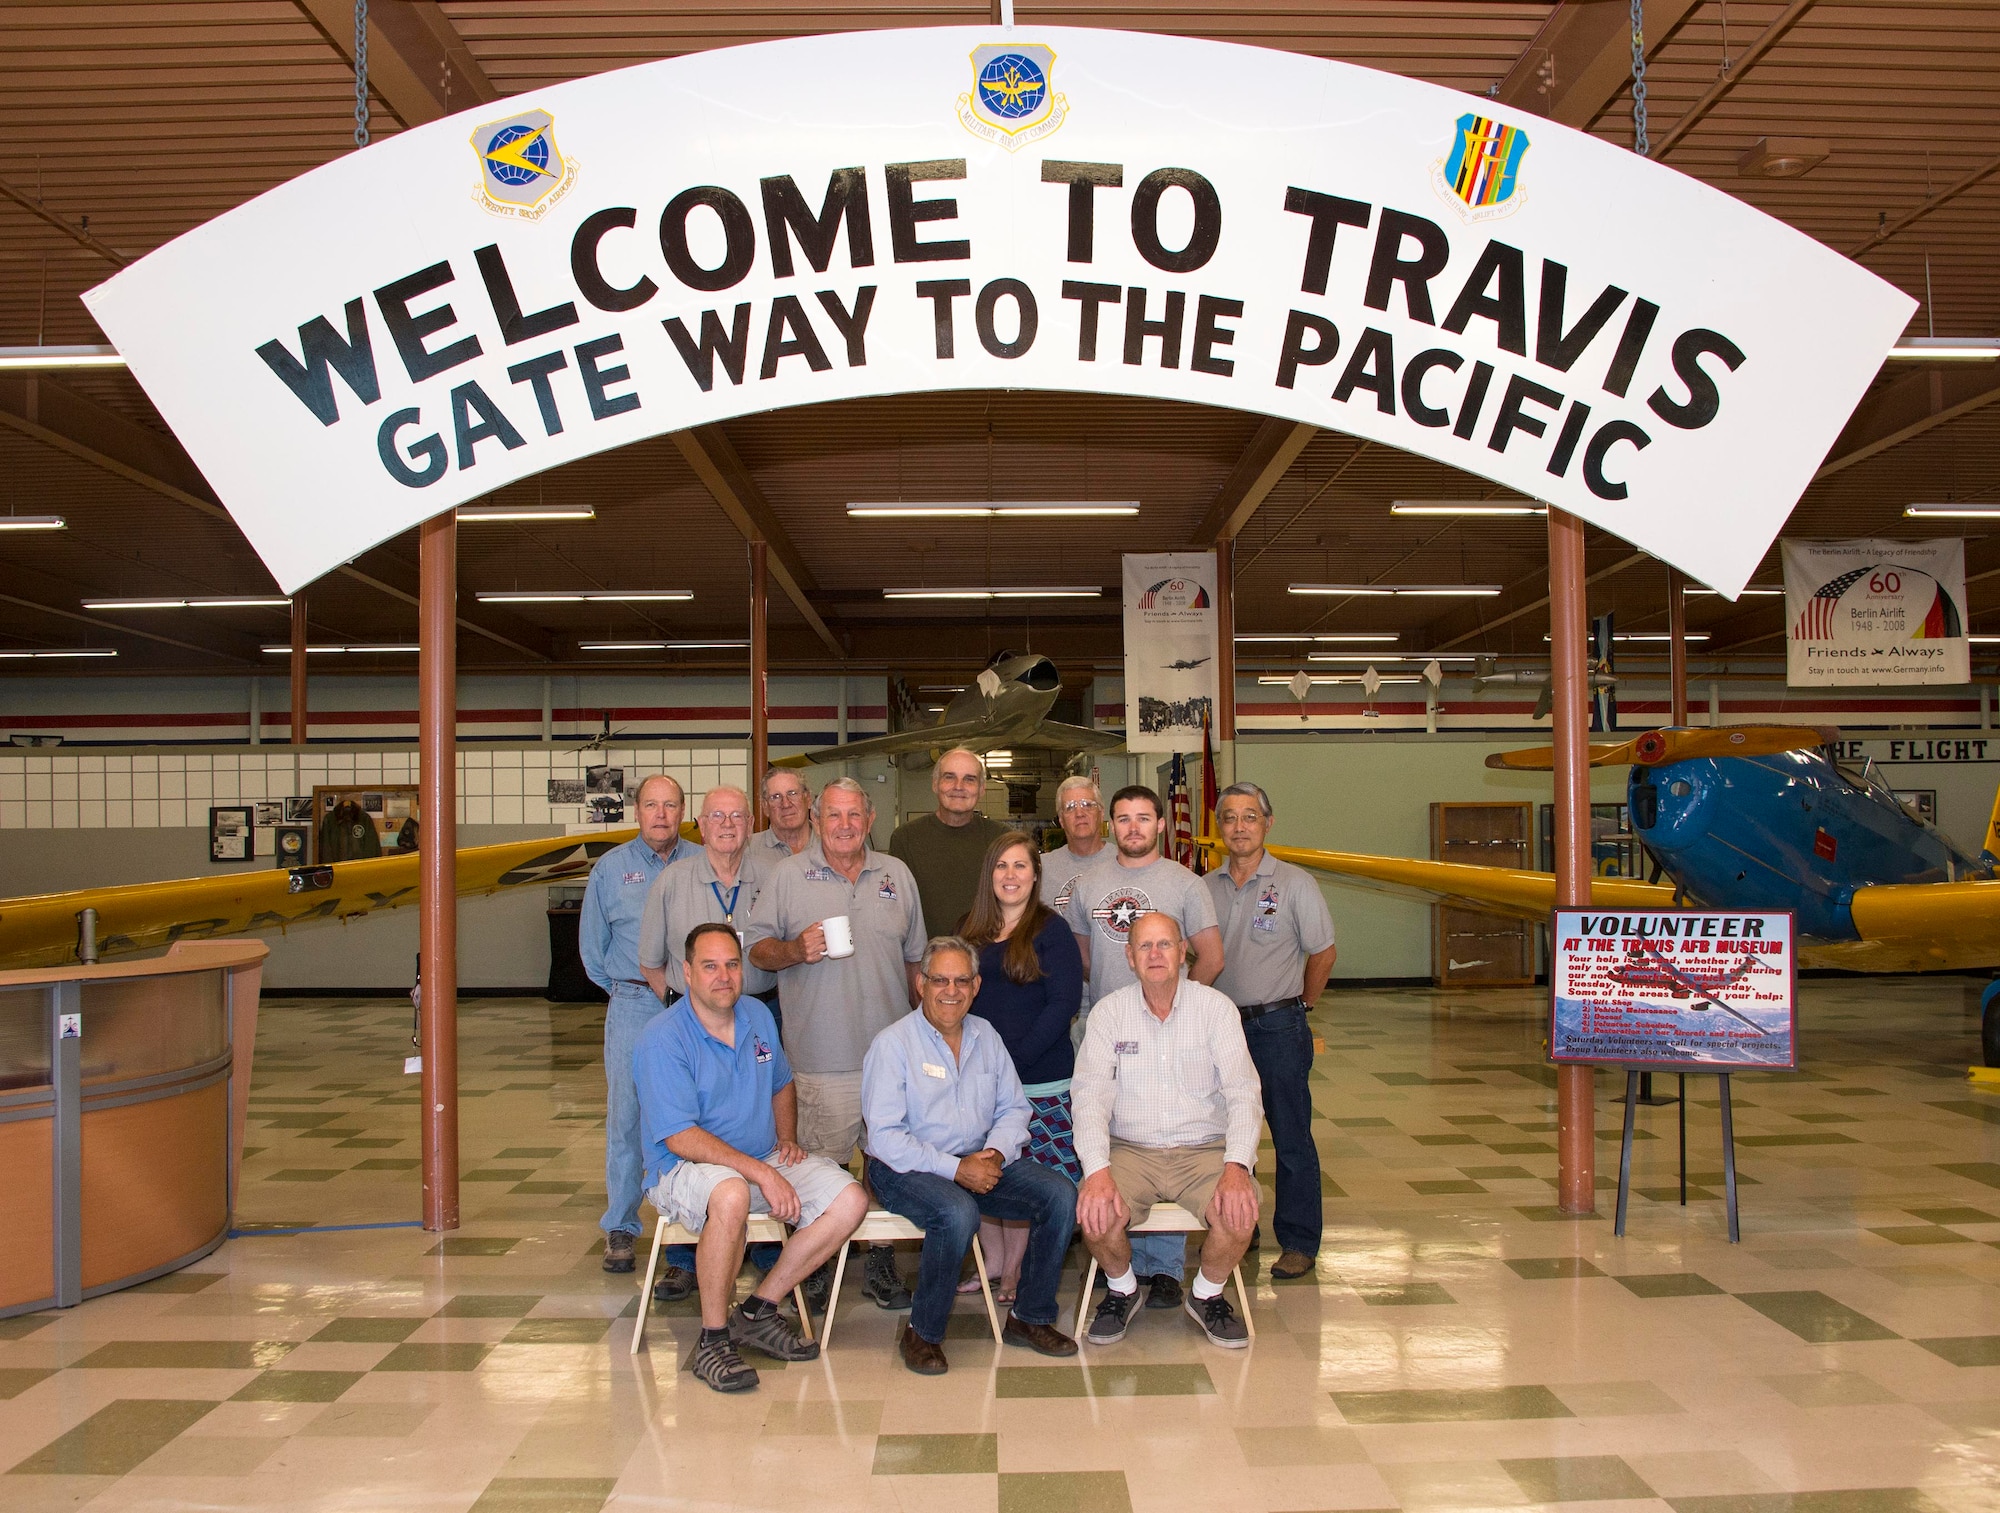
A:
{"x": 833, "y": 1298}
{"x": 805, "y": 1313}
{"x": 646, "y": 1287}
{"x": 985, "y": 1287}
{"x": 1243, "y": 1302}
{"x": 1083, "y": 1297}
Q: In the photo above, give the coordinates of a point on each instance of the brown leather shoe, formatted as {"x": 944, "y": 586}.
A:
{"x": 1292, "y": 1265}
{"x": 921, "y": 1356}
{"x": 1044, "y": 1339}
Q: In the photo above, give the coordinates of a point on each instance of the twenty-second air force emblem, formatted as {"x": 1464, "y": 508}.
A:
{"x": 1013, "y": 101}
{"x": 521, "y": 170}
{"x": 1480, "y": 178}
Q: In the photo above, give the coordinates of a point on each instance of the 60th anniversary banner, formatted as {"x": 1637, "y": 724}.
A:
{"x": 497, "y": 293}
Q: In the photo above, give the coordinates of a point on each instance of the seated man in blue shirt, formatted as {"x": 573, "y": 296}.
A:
{"x": 719, "y": 1119}
{"x": 947, "y": 1121}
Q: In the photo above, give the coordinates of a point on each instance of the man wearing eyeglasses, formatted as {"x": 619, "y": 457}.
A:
{"x": 789, "y": 805}
{"x": 1080, "y": 808}
{"x": 715, "y": 885}
{"x": 947, "y": 1124}
{"x": 945, "y": 850}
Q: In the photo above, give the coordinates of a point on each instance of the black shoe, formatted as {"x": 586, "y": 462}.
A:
{"x": 1113, "y": 1318}
{"x": 881, "y": 1282}
{"x": 675, "y": 1286}
{"x": 618, "y": 1255}
{"x": 818, "y": 1288}
{"x": 722, "y": 1368}
{"x": 1218, "y": 1321}
{"x": 1163, "y": 1291}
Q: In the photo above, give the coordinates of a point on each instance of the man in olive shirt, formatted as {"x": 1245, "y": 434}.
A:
{"x": 944, "y": 850}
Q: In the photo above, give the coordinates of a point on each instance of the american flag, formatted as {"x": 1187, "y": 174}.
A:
{"x": 1815, "y": 622}
{"x": 1180, "y": 845}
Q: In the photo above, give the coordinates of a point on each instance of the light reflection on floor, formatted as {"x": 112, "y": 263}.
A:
{"x": 1461, "y": 1345}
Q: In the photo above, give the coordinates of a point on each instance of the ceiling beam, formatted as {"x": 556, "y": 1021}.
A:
{"x": 67, "y": 421}
{"x": 1270, "y": 454}
{"x": 709, "y": 452}
{"x": 1743, "y": 63}
{"x": 418, "y": 65}
{"x": 1528, "y": 609}
{"x": 1581, "y": 59}
{"x": 77, "y": 234}
{"x": 203, "y": 640}
{"x": 1908, "y": 407}
{"x": 1937, "y": 201}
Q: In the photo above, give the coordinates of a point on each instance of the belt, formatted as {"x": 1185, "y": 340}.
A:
{"x": 1251, "y": 1011}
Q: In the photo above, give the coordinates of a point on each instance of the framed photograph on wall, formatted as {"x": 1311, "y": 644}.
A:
{"x": 232, "y": 832}
{"x": 291, "y": 845}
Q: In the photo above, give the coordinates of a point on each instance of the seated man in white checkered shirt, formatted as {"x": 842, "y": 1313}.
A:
{"x": 1167, "y": 1108}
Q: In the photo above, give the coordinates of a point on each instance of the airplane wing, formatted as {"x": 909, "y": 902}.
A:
{"x": 41, "y": 931}
{"x": 1053, "y": 735}
{"x": 973, "y": 734}
{"x": 1658, "y": 748}
{"x": 1502, "y": 890}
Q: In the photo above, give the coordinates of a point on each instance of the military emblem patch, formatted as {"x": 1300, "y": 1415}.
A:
{"x": 1480, "y": 177}
{"x": 1013, "y": 100}
{"x": 521, "y": 170}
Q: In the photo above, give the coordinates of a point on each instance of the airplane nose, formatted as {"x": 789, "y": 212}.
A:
{"x": 1671, "y": 803}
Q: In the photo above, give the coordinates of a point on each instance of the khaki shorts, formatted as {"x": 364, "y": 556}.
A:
{"x": 1183, "y": 1174}
{"x": 684, "y": 1192}
{"x": 830, "y": 1122}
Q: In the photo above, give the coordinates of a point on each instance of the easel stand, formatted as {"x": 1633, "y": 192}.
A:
{"x": 1633, "y": 1098}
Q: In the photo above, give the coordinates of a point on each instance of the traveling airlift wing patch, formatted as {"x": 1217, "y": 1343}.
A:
{"x": 1013, "y": 101}
{"x": 521, "y": 170}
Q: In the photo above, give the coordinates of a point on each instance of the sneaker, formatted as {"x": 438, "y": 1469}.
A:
{"x": 722, "y": 1368}
{"x": 1113, "y": 1318}
{"x": 674, "y": 1285}
{"x": 1218, "y": 1321}
{"x": 1162, "y": 1290}
{"x": 618, "y": 1252}
{"x": 771, "y": 1334}
{"x": 883, "y": 1283}
{"x": 818, "y": 1288}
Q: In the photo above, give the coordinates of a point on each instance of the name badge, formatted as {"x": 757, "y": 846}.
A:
{"x": 1268, "y": 926}
{"x": 933, "y": 1070}
{"x": 1125, "y": 1048}
{"x": 634, "y": 877}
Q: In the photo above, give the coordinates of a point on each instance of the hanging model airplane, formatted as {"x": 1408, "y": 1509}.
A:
{"x": 1759, "y": 817}
{"x": 1545, "y": 700}
{"x": 1006, "y": 708}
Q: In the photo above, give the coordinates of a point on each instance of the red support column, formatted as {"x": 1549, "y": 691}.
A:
{"x": 299, "y": 671}
{"x": 1576, "y": 1113}
{"x": 437, "y": 862}
{"x": 1677, "y": 647}
{"x": 1225, "y": 660}
{"x": 760, "y": 678}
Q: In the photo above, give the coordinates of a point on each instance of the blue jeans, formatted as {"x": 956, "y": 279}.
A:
{"x": 629, "y": 1012}
{"x": 949, "y": 1217}
{"x": 1281, "y": 1045}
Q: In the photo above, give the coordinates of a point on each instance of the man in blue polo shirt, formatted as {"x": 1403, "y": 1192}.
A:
{"x": 608, "y": 935}
{"x": 720, "y": 1117}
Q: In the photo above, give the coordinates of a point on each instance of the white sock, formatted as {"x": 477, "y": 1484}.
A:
{"x": 1204, "y": 1289}
{"x": 1124, "y": 1285}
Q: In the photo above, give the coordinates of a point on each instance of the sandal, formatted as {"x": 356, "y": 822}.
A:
{"x": 1003, "y": 1297}
{"x": 970, "y": 1284}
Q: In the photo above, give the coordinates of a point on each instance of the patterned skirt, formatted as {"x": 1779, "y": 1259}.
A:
{"x": 1051, "y": 1140}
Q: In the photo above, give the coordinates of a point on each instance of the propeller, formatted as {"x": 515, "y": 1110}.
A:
{"x": 1658, "y": 748}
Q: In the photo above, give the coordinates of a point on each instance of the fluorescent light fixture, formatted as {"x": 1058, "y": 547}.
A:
{"x": 1946, "y": 349}
{"x": 1984, "y": 640}
{"x": 1748, "y": 593}
{"x": 1411, "y": 590}
{"x": 1372, "y": 658}
{"x": 1464, "y": 507}
{"x": 661, "y": 645}
{"x": 332, "y": 651}
{"x": 1280, "y": 682}
{"x": 941, "y": 688}
{"x": 1953, "y": 511}
{"x": 1654, "y": 635}
{"x": 477, "y": 512}
{"x": 587, "y": 596}
{"x": 33, "y": 523}
{"x": 20, "y": 654}
{"x": 55, "y": 359}
{"x": 1024, "y": 511}
{"x": 1346, "y": 637}
{"x": 214, "y": 601}
{"x": 992, "y": 593}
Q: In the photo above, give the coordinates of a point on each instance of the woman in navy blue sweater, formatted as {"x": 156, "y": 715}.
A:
{"x": 1030, "y": 989}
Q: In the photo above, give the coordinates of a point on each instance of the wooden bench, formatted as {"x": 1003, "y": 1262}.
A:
{"x": 880, "y": 1224}
{"x": 761, "y": 1229}
{"x": 1165, "y": 1219}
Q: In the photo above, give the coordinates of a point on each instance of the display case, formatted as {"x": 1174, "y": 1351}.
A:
{"x": 123, "y": 1093}
{"x": 1469, "y": 947}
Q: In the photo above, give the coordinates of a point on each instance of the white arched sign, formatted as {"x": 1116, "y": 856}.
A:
{"x": 577, "y": 268}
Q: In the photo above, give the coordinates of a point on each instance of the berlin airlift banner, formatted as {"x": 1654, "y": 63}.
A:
{"x": 1875, "y": 614}
{"x": 1170, "y": 650}
{"x": 584, "y": 266}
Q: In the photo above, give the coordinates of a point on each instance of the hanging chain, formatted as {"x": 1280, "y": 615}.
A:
{"x": 361, "y": 72}
{"x": 1639, "y": 143}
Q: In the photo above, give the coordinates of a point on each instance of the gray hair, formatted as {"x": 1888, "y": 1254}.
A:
{"x": 680, "y": 793}
{"x": 938, "y": 945}
{"x": 848, "y": 785}
{"x": 1078, "y": 781}
{"x": 958, "y": 751}
{"x": 1245, "y": 791}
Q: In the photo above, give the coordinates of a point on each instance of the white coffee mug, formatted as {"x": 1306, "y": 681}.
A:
{"x": 839, "y": 933}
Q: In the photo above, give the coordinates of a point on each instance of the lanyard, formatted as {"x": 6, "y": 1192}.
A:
{"x": 728, "y": 907}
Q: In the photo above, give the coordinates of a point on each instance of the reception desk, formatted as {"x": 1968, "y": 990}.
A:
{"x": 123, "y": 1091}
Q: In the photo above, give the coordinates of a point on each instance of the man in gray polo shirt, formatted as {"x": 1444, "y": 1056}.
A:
{"x": 1278, "y": 947}
{"x": 836, "y": 1006}
{"x": 1131, "y": 878}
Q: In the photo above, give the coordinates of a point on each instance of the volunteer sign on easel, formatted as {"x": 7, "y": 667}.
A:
{"x": 1685, "y": 990}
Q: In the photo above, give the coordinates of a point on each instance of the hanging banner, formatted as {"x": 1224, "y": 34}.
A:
{"x": 580, "y": 267}
{"x": 1170, "y": 647}
{"x": 1673, "y": 987}
{"x": 1875, "y": 614}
